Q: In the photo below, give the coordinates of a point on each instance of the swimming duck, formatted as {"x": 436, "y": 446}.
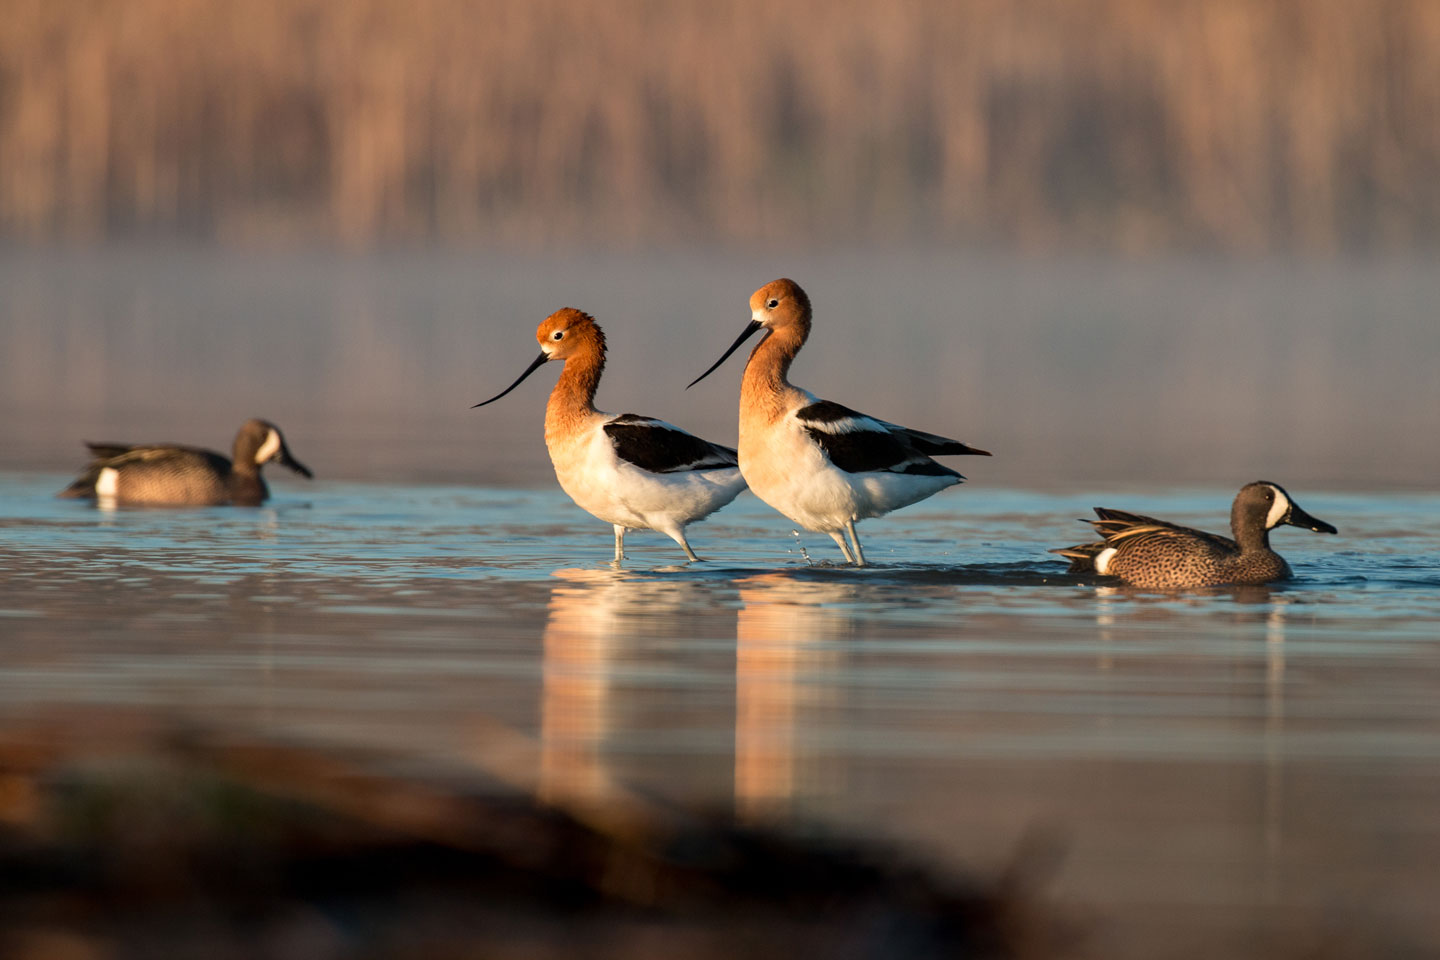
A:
{"x": 174, "y": 475}
{"x": 1158, "y": 555}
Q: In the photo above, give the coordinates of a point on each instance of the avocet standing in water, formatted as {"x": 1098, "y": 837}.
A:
{"x": 823, "y": 465}
{"x": 631, "y": 471}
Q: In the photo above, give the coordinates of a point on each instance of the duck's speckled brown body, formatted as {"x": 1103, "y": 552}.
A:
{"x": 174, "y": 475}
{"x": 1158, "y": 555}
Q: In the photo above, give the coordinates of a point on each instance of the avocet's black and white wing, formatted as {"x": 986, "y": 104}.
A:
{"x": 857, "y": 443}
{"x": 934, "y": 445}
{"x": 661, "y": 447}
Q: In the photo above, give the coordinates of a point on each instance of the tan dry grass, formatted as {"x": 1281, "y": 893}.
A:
{"x": 1122, "y": 124}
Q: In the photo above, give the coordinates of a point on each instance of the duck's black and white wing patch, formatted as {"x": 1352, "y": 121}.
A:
{"x": 662, "y": 447}
{"x": 859, "y": 444}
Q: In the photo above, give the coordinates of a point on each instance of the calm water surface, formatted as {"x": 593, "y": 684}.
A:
{"x": 1224, "y": 771}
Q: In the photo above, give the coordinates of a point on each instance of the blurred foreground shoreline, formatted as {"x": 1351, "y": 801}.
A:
{"x": 124, "y": 833}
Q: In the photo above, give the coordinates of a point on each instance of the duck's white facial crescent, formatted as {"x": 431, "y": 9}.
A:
{"x": 1278, "y": 509}
{"x": 269, "y": 448}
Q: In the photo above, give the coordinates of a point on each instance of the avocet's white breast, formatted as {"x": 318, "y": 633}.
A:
{"x": 1278, "y": 509}
{"x": 269, "y": 448}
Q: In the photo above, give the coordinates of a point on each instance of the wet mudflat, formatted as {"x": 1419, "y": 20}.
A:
{"x": 1240, "y": 773}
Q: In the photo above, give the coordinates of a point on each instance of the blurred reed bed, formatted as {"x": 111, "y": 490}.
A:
{"x": 1118, "y": 124}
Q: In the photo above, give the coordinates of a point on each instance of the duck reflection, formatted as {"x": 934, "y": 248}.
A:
{"x": 592, "y": 616}
{"x": 1105, "y": 609}
{"x": 1274, "y": 743}
{"x": 781, "y": 646}
{"x": 1260, "y": 614}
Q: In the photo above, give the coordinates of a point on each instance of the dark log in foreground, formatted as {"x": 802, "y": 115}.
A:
{"x": 206, "y": 846}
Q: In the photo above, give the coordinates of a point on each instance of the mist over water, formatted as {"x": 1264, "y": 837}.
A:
{"x": 1074, "y": 371}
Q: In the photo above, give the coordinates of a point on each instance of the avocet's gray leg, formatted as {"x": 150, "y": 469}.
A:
{"x": 686, "y": 547}
{"x": 855, "y": 539}
{"x": 678, "y": 535}
{"x": 839, "y": 539}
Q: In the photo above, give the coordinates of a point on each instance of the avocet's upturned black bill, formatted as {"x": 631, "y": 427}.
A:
{"x": 748, "y": 332}
{"x": 535, "y": 364}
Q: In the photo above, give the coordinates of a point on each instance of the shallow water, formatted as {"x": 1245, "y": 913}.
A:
{"x": 1225, "y": 771}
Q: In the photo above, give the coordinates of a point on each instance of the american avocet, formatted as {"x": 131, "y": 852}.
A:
{"x": 169, "y": 474}
{"x": 823, "y": 465}
{"x": 1158, "y": 555}
{"x": 631, "y": 471}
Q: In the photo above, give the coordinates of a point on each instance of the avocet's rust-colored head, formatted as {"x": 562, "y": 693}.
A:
{"x": 569, "y": 332}
{"x": 564, "y": 334}
{"x": 779, "y": 305}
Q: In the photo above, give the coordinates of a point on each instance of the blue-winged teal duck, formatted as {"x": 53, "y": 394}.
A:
{"x": 1157, "y": 555}
{"x": 169, "y": 474}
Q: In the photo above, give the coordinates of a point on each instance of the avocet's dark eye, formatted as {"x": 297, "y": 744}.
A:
{"x": 773, "y": 304}
{"x": 558, "y": 335}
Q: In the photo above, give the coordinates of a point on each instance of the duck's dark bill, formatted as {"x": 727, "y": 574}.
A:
{"x": 1299, "y": 518}
{"x": 535, "y": 364}
{"x": 285, "y": 459}
{"x": 754, "y": 325}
